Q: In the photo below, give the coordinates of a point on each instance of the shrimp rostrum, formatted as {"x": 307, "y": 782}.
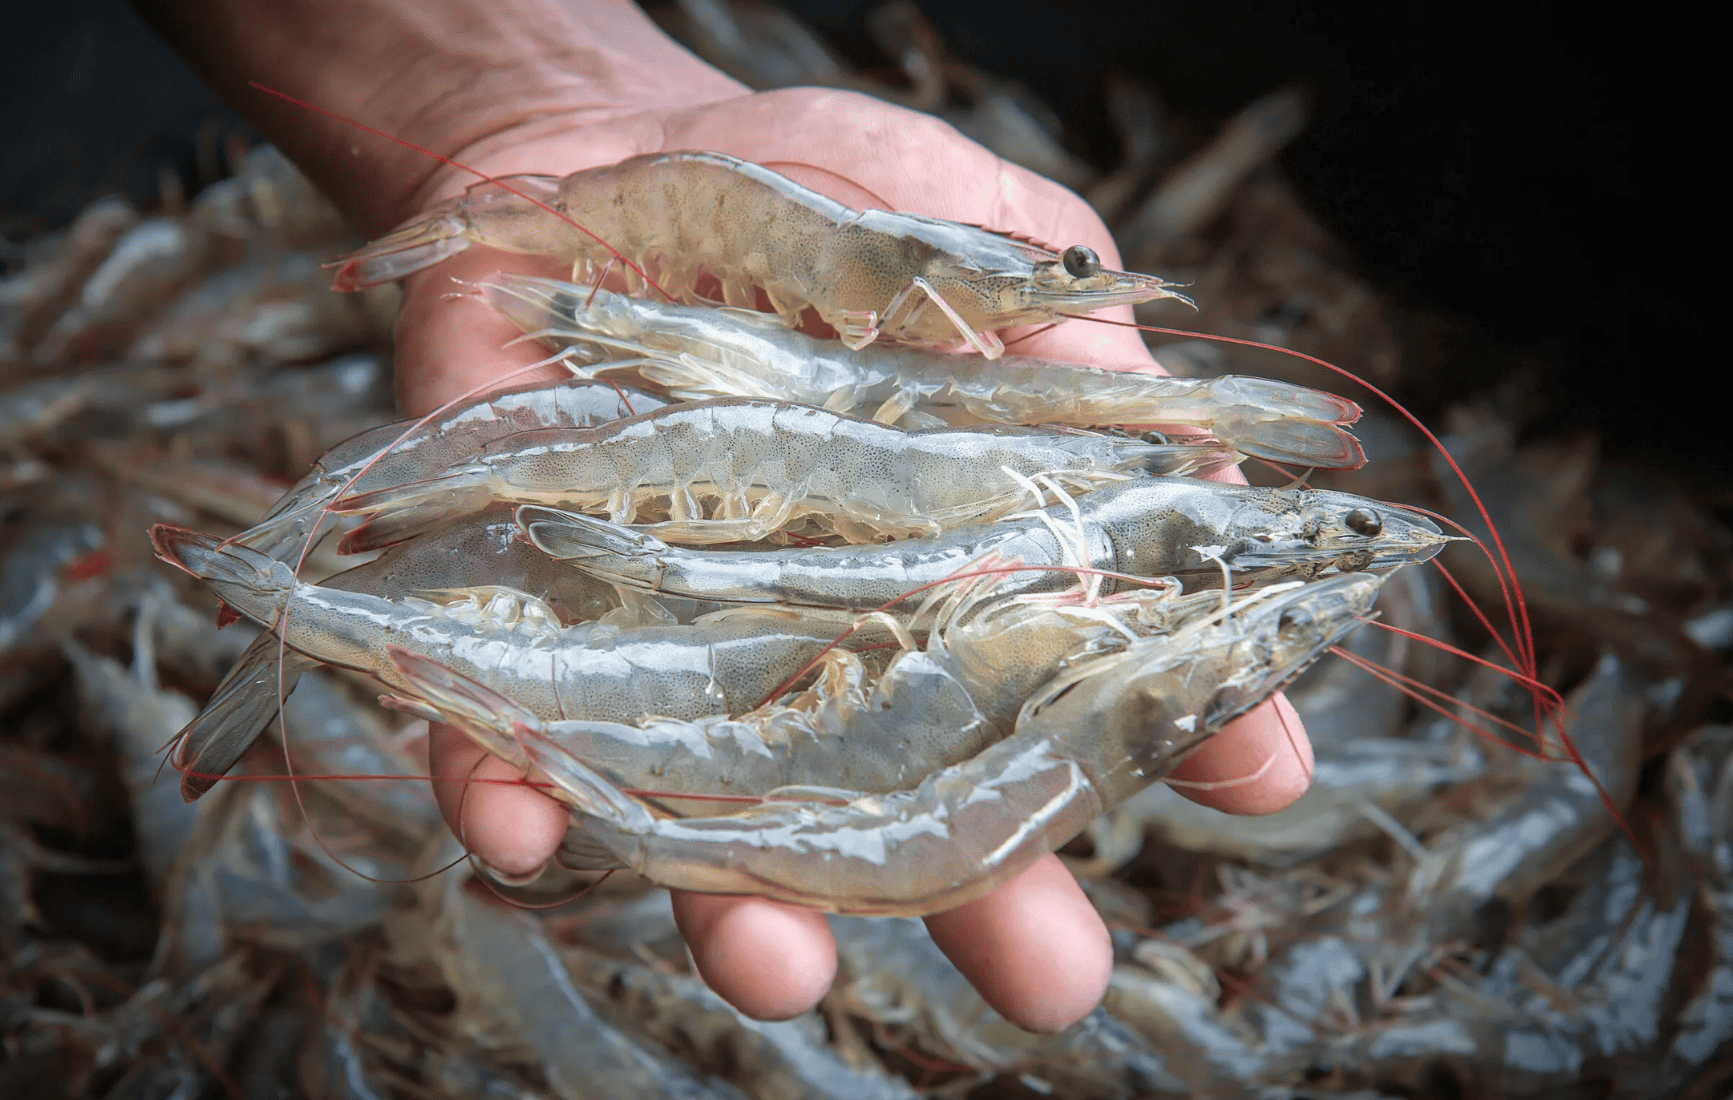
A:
{"x": 870, "y": 274}
{"x": 1092, "y": 737}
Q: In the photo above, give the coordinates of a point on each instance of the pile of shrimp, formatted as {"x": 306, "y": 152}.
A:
{"x": 737, "y": 595}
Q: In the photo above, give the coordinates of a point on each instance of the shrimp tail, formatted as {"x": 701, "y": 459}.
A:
{"x": 257, "y": 585}
{"x": 401, "y": 512}
{"x": 484, "y": 714}
{"x": 402, "y": 252}
{"x": 602, "y": 549}
{"x": 238, "y": 712}
{"x": 583, "y": 788}
{"x": 285, "y": 529}
{"x": 1316, "y": 443}
{"x": 570, "y": 536}
{"x": 400, "y": 525}
{"x": 1192, "y": 459}
{"x": 1283, "y": 399}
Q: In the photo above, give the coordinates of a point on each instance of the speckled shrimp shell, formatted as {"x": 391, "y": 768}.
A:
{"x": 761, "y": 465}
{"x": 870, "y": 274}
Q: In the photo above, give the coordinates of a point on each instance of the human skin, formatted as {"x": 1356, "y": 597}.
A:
{"x": 554, "y": 86}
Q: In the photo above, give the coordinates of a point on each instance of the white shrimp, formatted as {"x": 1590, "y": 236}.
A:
{"x": 696, "y": 353}
{"x": 768, "y": 464}
{"x": 870, "y": 274}
{"x": 513, "y": 642}
{"x": 1146, "y": 527}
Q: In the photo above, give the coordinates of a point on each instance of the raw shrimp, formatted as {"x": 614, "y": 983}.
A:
{"x": 136, "y": 714}
{"x": 408, "y": 450}
{"x": 1560, "y": 814}
{"x": 895, "y": 976}
{"x": 1093, "y": 736}
{"x": 768, "y": 464}
{"x": 781, "y": 1058}
{"x": 512, "y": 641}
{"x": 480, "y": 550}
{"x": 1148, "y": 527}
{"x": 870, "y": 274}
{"x": 697, "y": 353}
{"x": 929, "y": 709}
{"x": 513, "y": 987}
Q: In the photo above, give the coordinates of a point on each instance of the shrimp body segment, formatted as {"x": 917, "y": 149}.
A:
{"x": 512, "y": 642}
{"x": 870, "y": 274}
{"x": 766, "y": 464}
{"x": 1147, "y": 527}
{"x": 697, "y": 353}
{"x": 1094, "y": 736}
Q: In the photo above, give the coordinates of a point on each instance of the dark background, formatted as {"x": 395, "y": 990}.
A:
{"x": 1545, "y": 176}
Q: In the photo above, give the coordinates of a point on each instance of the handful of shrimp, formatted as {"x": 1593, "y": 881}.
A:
{"x": 611, "y": 657}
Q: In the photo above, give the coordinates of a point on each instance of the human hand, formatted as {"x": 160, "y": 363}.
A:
{"x": 553, "y": 86}
{"x": 1036, "y": 948}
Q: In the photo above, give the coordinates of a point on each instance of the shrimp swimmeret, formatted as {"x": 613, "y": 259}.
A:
{"x": 870, "y": 274}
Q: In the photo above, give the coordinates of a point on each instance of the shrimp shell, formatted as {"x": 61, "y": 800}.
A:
{"x": 408, "y": 450}
{"x": 477, "y": 551}
{"x": 870, "y": 274}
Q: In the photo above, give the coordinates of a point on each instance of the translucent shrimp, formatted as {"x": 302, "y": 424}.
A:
{"x": 511, "y": 641}
{"x": 1095, "y": 735}
{"x": 870, "y": 274}
{"x": 394, "y": 453}
{"x": 481, "y": 550}
{"x": 697, "y": 353}
{"x": 1148, "y": 527}
{"x": 768, "y": 464}
{"x": 929, "y": 709}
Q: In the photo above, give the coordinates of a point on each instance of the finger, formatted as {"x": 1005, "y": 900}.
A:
{"x": 1035, "y": 948}
{"x": 512, "y": 828}
{"x": 770, "y": 960}
{"x": 1258, "y": 764}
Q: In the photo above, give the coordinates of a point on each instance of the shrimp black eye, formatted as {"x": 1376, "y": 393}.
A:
{"x": 1081, "y": 262}
{"x": 1364, "y": 521}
